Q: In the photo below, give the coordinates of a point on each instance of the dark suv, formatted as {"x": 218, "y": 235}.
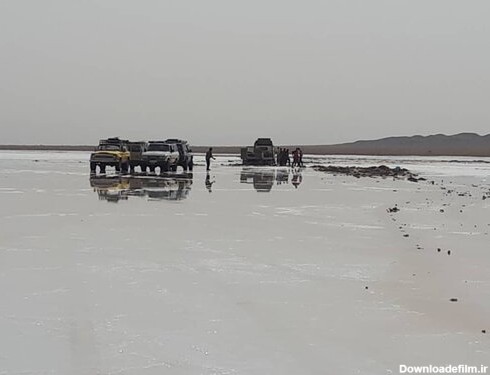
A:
{"x": 186, "y": 158}
{"x": 136, "y": 150}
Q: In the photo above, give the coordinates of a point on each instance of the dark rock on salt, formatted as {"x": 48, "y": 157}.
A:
{"x": 376, "y": 171}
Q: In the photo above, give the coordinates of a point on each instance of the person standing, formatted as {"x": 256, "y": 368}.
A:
{"x": 296, "y": 158}
{"x": 209, "y": 156}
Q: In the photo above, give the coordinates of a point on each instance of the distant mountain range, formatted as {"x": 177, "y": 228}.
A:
{"x": 464, "y": 144}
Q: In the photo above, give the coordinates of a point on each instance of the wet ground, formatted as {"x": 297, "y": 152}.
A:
{"x": 242, "y": 270}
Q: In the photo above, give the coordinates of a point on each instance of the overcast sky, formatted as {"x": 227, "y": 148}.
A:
{"x": 226, "y": 71}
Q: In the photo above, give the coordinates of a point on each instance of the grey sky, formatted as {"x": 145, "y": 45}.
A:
{"x": 228, "y": 71}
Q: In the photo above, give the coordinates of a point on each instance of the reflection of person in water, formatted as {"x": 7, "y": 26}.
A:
{"x": 297, "y": 178}
{"x": 209, "y": 183}
{"x": 282, "y": 177}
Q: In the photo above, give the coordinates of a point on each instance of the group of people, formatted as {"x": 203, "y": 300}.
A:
{"x": 283, "y": 158}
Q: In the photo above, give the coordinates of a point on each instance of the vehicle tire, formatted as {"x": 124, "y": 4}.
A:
{"x": 173, "y": 168}
{"x": 93, "y": 168}
{"x": 143, "y": 168}
{"x": 125, "y": 167}
{"x": 118, "y": 167}
{"x": 164, "y": 168}
{"x": 191, "y": 165}
{"x": 131, "y": 169}
{"x": 102, "y": 168}
{"x": 152, "y": 169}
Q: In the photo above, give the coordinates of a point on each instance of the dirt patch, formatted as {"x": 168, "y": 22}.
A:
{"x": 376, "y": 171}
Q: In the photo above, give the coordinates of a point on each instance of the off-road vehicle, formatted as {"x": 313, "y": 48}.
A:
{"x": 261, "y": 153}
{"x": 186, "y": 158}
{"x": 161, "y": 154}
{"x": 136, "y": 150}
{"x": 112, "y": 152}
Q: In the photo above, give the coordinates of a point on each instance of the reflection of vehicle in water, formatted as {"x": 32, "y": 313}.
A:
{"x": 116, "y": 188}
{"x": 263, "y": 179}
{"x": 172, "y": 189}
{"x": 111, "y": 189}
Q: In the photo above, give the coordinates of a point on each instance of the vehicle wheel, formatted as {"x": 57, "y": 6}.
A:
{"x": 143, "y": 168}
{"x": 173, "y": 168}
{"x": 93, "y": 168}
{"x": 125, "y": 167}
{"x": 102, "y": 168}
{"x": 164, "y": 168}
{"x": 131, "y": 169}
{"x": 118, "y": 167}
{"x": 191, "y": 166}
{"x": 152, "y": 169}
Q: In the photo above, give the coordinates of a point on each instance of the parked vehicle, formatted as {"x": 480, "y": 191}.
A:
{"x": 186, "y": 158}
{"x": 261, "y": 153}
{"x": 162, "y": 155}
{"x": 136, "y": 150}
{"x": 112, "y": 152}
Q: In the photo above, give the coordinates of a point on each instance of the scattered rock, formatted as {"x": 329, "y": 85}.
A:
{"x": 483, "y": 331}
{"x": 380, "y": 171}
{"x": 449, "y": 252}
{"x": 405, "y": 235}
{"x": 453, "y": 300}
{"x": 393, "y": 209}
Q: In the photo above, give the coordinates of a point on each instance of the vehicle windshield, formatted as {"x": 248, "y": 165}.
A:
{"x": 109, "y": 148}
{"x": 158, "y": 147}
{"x": 135, "y": 148}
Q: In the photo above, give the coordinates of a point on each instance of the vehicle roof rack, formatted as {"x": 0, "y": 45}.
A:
{"x": 175, "y": 140}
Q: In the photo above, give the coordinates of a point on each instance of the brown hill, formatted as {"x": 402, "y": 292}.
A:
{"x": 464, "y": 144}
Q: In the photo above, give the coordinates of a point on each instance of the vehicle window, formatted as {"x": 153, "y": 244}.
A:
{"x": 159, "y": 147}
{"x": 109, "y": 148}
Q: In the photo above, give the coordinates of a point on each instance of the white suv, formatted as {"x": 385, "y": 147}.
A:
{"x": 161, "y": 154}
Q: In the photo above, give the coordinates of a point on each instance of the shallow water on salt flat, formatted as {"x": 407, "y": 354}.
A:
{"x": 242, "y": 271}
